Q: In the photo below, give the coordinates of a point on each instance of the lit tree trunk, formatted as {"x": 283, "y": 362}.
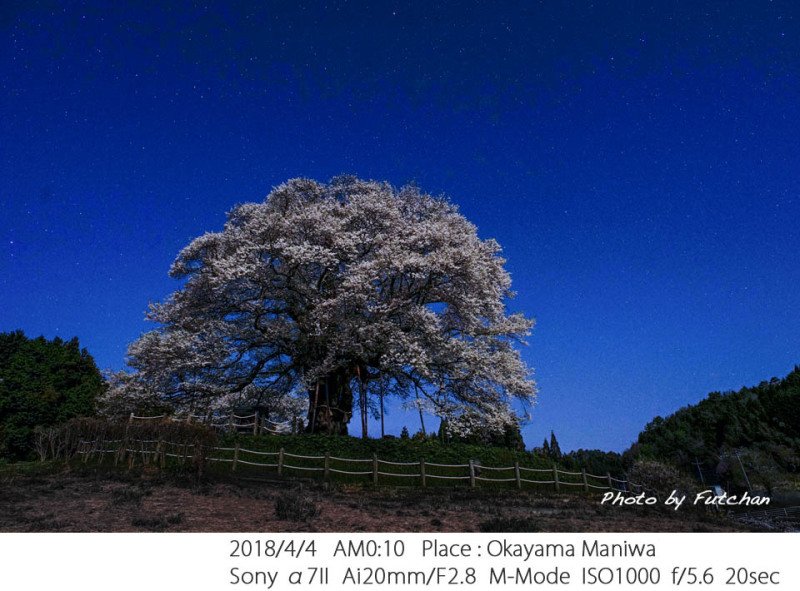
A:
{"x": 331, "y": 413}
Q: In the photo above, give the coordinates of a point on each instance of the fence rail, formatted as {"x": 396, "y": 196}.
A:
{"x": 232, "y": 423}
{"x": 156, "y": 451}
{"x": 778, "y": 513}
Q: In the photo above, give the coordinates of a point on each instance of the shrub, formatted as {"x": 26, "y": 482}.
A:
{"x": 295, "y": 506}
{"x": 661, "y": 477}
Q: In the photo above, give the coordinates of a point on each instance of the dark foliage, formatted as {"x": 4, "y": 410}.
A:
{"x": 595, "y": 461}
{"x": 555, "y": 449}
{"x": 760, "y": 423}
{"x": 42, "y": 383}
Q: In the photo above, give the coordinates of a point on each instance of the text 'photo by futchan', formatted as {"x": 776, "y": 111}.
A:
{"x": 392, "y": 295}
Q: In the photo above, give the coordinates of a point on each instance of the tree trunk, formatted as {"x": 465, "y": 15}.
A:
{"x": 362, "y": 391}
{"x": 330, "y": 406}
{"x": 383, "y": 431}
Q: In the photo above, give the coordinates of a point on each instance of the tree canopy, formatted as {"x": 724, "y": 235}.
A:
{"x": 323, "y": 290}
{"x": 42, "y": 382}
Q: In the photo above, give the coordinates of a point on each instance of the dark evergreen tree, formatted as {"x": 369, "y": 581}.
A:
{"x": 42, "y": 383}
{"x": 555, "y": 450}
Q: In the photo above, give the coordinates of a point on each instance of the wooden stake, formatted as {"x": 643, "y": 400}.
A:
{"x": 585, "y": 482}
{"x": 472, "y": 473}
{"x": 422, "y": 470}
{"x": 235, "y": 457}
{"x": 280, "y": 462}
{"x": 555, "y": 478}
{"x": 375, "y": 469}
{"x": 516, "y": 474}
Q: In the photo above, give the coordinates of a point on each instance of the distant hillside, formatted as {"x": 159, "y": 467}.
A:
{"x": 761, "y": 423}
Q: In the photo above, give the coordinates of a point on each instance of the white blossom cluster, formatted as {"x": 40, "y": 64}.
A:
{"x": 352, "y": 282}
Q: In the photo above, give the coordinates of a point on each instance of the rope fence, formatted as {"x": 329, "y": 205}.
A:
{"x": 152, "y": 450}
{"x": 232, "y": 423}
{"x": 792, "y": 513}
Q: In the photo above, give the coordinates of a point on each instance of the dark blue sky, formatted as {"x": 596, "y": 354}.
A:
{"x": 638, "y": 162}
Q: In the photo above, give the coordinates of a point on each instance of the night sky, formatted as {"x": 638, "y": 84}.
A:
{"x": 639, "y": 163}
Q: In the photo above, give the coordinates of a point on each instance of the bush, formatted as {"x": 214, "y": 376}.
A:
{"x": 662, "y": 478}
{"x": 295, "y": 506}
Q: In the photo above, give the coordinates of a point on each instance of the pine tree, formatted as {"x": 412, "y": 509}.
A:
{"x": 555, "y": 450}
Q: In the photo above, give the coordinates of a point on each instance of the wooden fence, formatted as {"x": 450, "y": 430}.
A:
{"x": 231, "y": 423}
{"x": 780, "y": 513}
{"x": 374, "y": 470}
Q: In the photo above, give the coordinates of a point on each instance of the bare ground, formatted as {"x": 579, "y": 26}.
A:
{"x": 91, "y": 499}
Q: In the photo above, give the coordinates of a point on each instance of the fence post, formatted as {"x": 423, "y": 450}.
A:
{"x": 326, "y": 474}
{"x": 198, "y": 458}
{"x": 555, "y": 478}
{"x": 516, "y": 475}
{"x": 280, "y": 462}
{"x": 472, "y": 473}
{"x": 235, "y": 456}
{"x": 230, "y": 424}
{"x": 422, "y": 470}
{"x": 163, "y": 455}
{"x": 375, "y": 469}
{"x": 130, "y": 419}
{"x": 585, "y": 482}
{"x": 256, "y": 419}
{"x": 610, "y": 485}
